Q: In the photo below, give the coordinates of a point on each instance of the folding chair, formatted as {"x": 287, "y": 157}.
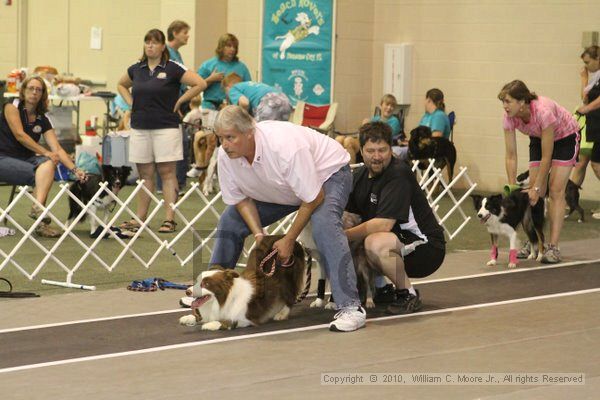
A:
{"x": 320, "y": 118}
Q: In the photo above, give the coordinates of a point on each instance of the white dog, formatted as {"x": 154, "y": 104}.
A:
{"x": 297, "y": 34}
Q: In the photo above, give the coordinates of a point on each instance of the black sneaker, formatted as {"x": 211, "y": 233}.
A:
{"x": 385, "y": 295}
{"x": 405, "y": 303}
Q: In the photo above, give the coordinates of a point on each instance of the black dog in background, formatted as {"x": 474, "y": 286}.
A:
{"x": 422, "y": 146}
{"x": 116, "y": 177}
{"x": 571, "y": 195}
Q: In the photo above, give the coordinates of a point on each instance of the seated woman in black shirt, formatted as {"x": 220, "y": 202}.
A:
{"x": 23, "y": 160}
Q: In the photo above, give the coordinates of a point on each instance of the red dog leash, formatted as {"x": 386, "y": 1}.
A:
{"x": 272, "y": 256}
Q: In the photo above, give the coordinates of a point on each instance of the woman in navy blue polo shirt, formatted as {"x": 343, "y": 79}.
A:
{"x": 22, "y": 159}
{"x": 155, "y": 143}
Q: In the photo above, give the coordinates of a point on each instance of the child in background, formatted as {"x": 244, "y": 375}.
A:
{"x": 388, "y": 105}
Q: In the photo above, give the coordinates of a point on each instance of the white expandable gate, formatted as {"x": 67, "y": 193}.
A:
{"x": 430, "y": 180}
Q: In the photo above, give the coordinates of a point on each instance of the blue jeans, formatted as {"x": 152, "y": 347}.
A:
{"x": 16, "y": 171}
{"x": 328, "y": 234}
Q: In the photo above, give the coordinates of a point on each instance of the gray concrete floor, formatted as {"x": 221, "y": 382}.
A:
{"x": 550, "y": 335}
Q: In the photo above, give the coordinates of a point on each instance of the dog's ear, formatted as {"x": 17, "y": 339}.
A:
{"x": 477, "y": 198}
{"x": 507, "y": 202}
{"x": 230, "y": 274}
{"x": 420, "y": 132}
{"x": 496, "y": 198}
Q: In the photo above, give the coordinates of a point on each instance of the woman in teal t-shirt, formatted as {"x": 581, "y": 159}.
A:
{"x": 216, "y": 68}
{"x": 435, "y": 116}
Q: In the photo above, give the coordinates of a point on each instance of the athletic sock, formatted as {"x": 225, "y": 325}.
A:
{"x": 412, "y": 290}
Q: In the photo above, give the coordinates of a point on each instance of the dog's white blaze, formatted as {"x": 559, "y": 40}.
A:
{"x": 483, "y": 212}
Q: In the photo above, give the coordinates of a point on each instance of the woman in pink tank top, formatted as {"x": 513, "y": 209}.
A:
{"x": 553, "y": 148}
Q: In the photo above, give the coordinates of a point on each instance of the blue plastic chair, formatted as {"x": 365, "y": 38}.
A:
{"x": 452, "y": 118}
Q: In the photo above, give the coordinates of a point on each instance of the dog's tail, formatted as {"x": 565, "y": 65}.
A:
{"x": 533, "y": 224}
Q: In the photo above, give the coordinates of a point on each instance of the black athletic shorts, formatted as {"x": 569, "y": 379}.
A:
{"x": 595, "y": 157}
{"x": 565, "y": 151}
{"x": 424, "y": 261}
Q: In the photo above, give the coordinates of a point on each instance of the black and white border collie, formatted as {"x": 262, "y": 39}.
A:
{"x": 116, "y": 177}
{"x": 502, "y": 216}
{"x": 226, "y": 299}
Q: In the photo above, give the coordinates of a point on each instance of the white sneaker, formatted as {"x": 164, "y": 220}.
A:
{"x": 596, "y": 215}
{"x": 194, "y": 172}
{"x": 348, "y": 319}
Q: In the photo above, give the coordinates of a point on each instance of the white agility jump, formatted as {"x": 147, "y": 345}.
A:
{"x": 122, "y": 251}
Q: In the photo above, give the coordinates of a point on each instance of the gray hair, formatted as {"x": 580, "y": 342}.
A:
{"x": 234, "y": 118}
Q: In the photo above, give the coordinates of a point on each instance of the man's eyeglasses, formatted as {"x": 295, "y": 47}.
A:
{"x": 34, "y": 89}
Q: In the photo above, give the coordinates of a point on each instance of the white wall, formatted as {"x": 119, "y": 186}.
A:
{"x": 9, "y": 37}
{"x": 470, "y": 49}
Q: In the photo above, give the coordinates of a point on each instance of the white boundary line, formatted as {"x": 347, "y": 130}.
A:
{"x": 417, "y": 282}
{"x": 510, "y": 271}
{"x": 284, "y": 331}
{"x": 83, "y": 321}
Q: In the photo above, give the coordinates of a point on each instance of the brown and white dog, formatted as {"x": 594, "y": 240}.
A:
{"x": 226, "y": 299}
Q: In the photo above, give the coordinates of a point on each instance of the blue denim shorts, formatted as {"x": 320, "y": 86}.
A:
{"x": 20, "y": 172}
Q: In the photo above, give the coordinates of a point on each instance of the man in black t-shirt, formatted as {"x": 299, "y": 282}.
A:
{"x": 402, "y": 238}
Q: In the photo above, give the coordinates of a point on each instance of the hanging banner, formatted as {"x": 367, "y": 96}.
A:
{"x": 297, "y": 48}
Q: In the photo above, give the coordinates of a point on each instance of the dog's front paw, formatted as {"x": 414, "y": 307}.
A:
{"x": 330, "y": 306}
{"x": 539, "y": 257}
{"x": 532, "y": 256}
{"x": 211, "y": 326}
{"x": 491, "y": 263}
{"x": 512, "y": 265}
{"x": 283, "y": 314}
{"x": 317, "y": 303}
{"x": 188, "y": 320}
{"x": 369, "y": 303}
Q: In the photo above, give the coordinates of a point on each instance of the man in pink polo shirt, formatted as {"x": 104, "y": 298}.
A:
{"x": 553, "y": 148}
{"x": 270, "y": 169}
